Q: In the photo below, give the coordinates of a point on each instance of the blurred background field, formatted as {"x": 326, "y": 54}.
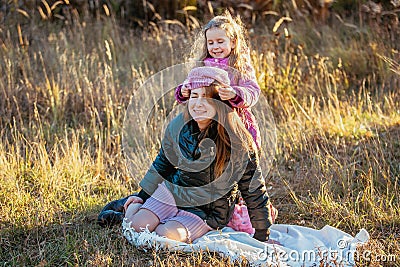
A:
{"x": 329, "y": 69}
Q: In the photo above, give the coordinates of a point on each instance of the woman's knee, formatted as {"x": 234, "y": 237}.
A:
{"x": 132, "y": 210}
{"x": 144, "y": 219}
{"x": 172, "y": 230}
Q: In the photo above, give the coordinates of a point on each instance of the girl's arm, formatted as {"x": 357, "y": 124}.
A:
{"x": 246, "y": 88}
{"x": 178, "y": 95}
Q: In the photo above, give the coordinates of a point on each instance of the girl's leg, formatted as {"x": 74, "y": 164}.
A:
{"x": 132, "y": 210}
{"x": 173, "y": 230}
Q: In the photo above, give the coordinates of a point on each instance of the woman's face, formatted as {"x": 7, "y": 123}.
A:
{"x": 201, "y": 108}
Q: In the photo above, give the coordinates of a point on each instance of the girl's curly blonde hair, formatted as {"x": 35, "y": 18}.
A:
{"x": 235, "y": 30}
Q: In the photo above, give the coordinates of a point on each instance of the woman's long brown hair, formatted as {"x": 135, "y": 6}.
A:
{"x": 230, "y": 131}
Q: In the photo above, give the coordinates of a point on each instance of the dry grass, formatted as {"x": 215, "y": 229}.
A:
{"x": 63, "y": 96}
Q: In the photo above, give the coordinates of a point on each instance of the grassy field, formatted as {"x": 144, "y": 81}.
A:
{"x": 64, "y": 92}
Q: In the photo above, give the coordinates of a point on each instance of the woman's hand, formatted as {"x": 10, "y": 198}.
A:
{"x": 273, "y": 242}
{"x": 226, "y": 93}
{"x": 132, "y": 199}
{"x": 185, "y": 91}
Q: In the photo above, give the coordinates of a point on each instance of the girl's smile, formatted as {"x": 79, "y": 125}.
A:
{"x": 219, "y": 45}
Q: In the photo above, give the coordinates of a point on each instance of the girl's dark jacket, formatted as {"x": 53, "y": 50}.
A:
{"x": 186, "y": 164}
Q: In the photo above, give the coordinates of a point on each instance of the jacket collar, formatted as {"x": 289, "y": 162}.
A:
{"x": 217, "y": 61}
{"x": 195, "y": 130}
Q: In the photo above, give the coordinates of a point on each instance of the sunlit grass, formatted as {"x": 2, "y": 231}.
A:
{"x": 63, "y": 99}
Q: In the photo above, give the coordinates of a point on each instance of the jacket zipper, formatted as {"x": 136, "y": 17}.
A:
{"x": 210, "y": 177}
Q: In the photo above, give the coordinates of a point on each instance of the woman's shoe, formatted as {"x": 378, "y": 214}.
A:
{"x": 109, "y": 218}
{"x": 113, "y": 213}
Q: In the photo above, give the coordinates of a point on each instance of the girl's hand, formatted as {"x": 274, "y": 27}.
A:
{"x": 185, "y": 92}
{"x": 226, "y": 93}
{"x": 132, "y": 199}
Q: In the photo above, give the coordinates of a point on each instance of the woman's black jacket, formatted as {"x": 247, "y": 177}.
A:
{"x": 186, "y": 163}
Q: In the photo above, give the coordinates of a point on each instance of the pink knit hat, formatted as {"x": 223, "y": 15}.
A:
{"x": 205, "y": 76}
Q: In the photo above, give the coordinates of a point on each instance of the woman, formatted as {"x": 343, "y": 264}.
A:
{"x": 207, "y": 155}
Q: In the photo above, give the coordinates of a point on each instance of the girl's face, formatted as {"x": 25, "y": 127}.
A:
{"x": 219, "y": 45}
{"x": 201, "y": 108}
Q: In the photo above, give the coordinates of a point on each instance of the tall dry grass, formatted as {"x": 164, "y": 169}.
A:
{"x": 64, "y": 92}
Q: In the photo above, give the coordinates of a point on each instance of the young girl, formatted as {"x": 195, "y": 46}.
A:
{"x": 224, "y": 46}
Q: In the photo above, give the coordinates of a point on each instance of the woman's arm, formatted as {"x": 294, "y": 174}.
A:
{"x": 253, "y": 189}
{"x": 161, "y": 169}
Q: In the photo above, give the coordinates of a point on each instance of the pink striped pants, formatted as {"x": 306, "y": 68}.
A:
{"x": 163, "y": 205}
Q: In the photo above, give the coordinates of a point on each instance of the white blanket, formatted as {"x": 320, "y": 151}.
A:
{"x": 300, "y": 246}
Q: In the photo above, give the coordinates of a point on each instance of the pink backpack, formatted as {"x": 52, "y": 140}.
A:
{"x": 240, "y": 220}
